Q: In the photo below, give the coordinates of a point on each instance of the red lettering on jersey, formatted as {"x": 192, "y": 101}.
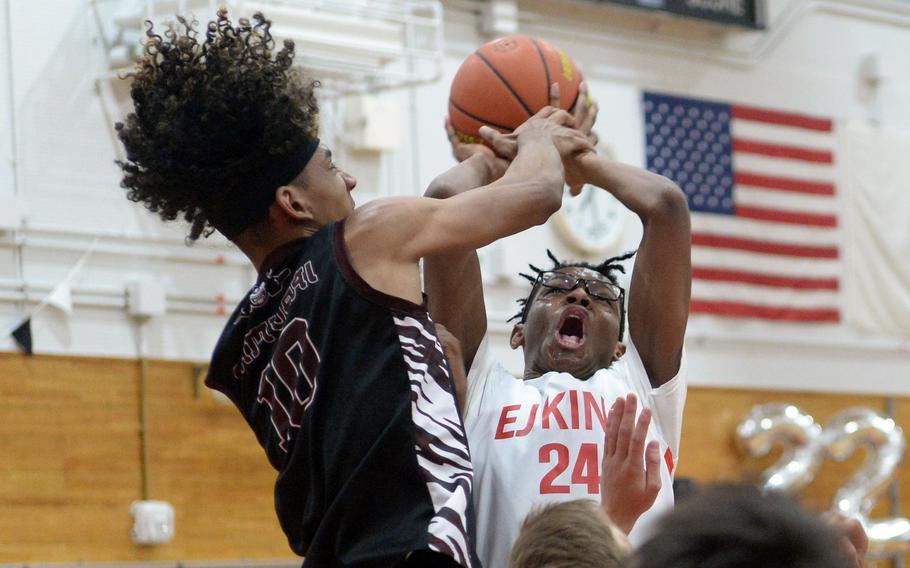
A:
{"x": 562, "y": 463}
{"x": 668, "y": 457}
{"x": 586, "y": 471}
{"x": 527, "y": 429}
{"x": 573, "y": 404}
{"x": 505, "y": 420}
{"x": 551, "y": 408}
{"x": 587, "y": 466}
{"x": 599, "y": 410}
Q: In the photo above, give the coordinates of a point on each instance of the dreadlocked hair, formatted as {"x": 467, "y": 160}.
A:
{"x": 210, "y": 112}
{"x": 608, "y": 268}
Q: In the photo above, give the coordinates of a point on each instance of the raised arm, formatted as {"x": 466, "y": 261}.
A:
{"x": 662, "y": 277}
{"x": 453, "y": 281}
{"x": 454, "y": 288}
{"x": 392, "y": 234}
{"x": 452, "y": 348}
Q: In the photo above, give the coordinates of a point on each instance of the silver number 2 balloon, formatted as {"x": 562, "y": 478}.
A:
{"x": 885, "y": 444}
{"x": 786, "y": 425}
{"x": 805, "y": 446}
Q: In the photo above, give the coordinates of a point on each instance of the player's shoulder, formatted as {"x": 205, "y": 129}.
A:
{"x": 616, "y": 380}
{"x": 630, "y": 363}
{"x": 621, "y": 367}
{"x": 499, "y": 385}
{"x": 374, "y": 216}
{"x": 502, "y": 377}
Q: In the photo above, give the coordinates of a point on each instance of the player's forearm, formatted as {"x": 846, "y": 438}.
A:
{"x": 649, "y": 195}
{"x": 474, "y": 172}
{"x": 529, "y": 192}
{"x": 525, "y": 196}
{"x": 534, "y": 180}
{"x": 452, "y": 281}
{"x": 661, "y": 280}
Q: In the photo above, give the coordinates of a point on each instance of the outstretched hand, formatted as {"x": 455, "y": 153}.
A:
{"x": 573, "y": 137}
{"x": 628, "y": 488}
{"x": 584, "y": 113}
{"x": 463, "y": 150}
{"x": 559, "y": 125}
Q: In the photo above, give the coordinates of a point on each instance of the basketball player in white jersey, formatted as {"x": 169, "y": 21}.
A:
{"x": 540, "y": 438}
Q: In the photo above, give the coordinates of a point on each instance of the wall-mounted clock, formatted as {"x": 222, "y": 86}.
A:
{"x": 592, "y": 222}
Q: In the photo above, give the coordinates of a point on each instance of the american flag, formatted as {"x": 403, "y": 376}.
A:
{"x": 760, "y": 184}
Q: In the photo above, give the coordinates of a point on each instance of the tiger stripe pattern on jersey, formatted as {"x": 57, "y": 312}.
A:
{"x": 441, "y": 443}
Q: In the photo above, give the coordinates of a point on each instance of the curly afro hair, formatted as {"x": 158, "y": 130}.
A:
{"x": 211, "y": 116}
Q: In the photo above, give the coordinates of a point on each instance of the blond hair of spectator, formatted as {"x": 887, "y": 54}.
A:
{"x": 573, "y": 534}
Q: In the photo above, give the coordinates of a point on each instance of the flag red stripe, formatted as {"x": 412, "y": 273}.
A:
{"x": 780, "y": 151}
{"x": 737, "y": 243}
{"x": 782, "y": 118}
{"x": 792, "y": 217}
{"x": 783, "y": 184}
{"x": 723, "y": 275}
{"x": 737, "y": 309}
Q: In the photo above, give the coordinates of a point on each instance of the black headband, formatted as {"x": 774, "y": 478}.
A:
{"x": 259, "y": 193}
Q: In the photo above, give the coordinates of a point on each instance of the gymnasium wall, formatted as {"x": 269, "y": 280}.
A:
{"x": 69, "y": 439}
{"x": 808, "y": 61}
{"x": 71, "y": 464}
{"x": 71, "y": 460}
{"x": 67, "y": 185}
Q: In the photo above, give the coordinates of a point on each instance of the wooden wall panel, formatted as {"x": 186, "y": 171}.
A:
{"x": 207, "y": 463}
{"x": 70, "y": 460}
{"x": 70, "y": 465}
{"x": 68, "y": 447}
{"x": 708, "y": 452}
{"x": 902, "y": 417}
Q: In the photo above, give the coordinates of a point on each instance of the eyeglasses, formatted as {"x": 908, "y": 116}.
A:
{"x": 600, "y": 289}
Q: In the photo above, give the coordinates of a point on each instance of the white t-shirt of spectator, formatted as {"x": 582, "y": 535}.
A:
{"x": 541, "y": 441}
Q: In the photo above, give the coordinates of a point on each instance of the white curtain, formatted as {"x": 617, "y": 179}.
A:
{"x": 876, "y": 193}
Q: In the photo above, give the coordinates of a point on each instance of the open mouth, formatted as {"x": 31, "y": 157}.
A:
{"x": 571, "y": 331}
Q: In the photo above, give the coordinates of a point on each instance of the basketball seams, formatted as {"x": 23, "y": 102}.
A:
{"x": 504, "y": 82}
{"x": 509, "y": 64}
{"x": 505, "y": 129}
{"x": 546, "y": 68}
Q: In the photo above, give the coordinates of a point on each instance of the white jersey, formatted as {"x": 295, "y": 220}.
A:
{"x": 541, "y": 440}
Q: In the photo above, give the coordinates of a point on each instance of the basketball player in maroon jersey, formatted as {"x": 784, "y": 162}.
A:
{"x": 331, "y": 357}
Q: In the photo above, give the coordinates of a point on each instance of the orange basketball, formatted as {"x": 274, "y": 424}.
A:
{"x": 508, "y": 80}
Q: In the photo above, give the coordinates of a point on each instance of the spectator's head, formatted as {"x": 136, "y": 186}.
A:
{"x": 739, "y": 527}
{"x": 573, "y": 534}
{"x": 684, "y": 488}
